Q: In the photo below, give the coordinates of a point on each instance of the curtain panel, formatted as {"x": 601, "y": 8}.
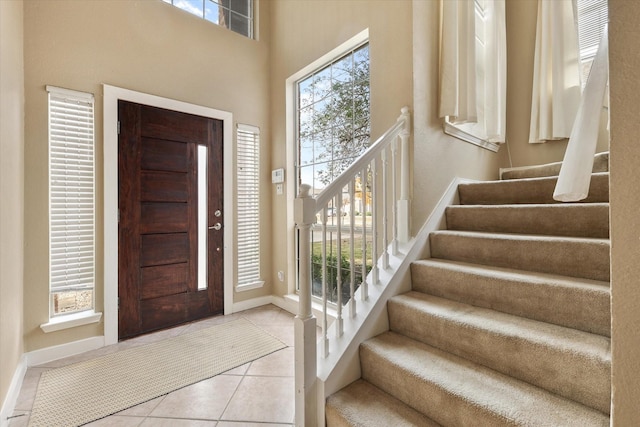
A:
{"x": 473, "y": 66}
{"x": 556, "y": 77}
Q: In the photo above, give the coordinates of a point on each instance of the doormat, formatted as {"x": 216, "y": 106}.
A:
{"x": 87, "y": 391}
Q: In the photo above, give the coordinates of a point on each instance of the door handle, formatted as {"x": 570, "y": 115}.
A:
{"x": 217, "y": 226}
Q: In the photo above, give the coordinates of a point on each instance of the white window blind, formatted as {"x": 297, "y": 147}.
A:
{"x": 71, "y": 201}
{"x": 592, "y": 17}
{"x": 248, "y": 209}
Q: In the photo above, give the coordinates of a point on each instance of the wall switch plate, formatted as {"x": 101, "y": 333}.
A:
{"x": 279, "y": 189}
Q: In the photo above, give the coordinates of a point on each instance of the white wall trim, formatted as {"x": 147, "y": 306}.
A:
{"x": 252, "y": 303}
{"x": 56, "y": 352}
{"x": 110, "y": 151}
{"x": 14, "y": 391}
{"x": 454, "y": 131}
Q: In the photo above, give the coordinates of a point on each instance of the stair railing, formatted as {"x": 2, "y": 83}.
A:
{"x": 326, "y": 224}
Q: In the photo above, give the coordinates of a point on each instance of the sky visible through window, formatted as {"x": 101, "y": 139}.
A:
{"x": 237, "y": 15}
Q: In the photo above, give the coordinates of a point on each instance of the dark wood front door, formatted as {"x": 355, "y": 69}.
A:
{"x": 161, "y": 154}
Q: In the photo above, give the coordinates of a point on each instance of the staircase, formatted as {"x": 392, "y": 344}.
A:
{"x": 508, "y": 322}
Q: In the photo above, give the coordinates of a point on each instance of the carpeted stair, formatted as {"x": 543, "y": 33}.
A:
{"x": 508, "y": 322}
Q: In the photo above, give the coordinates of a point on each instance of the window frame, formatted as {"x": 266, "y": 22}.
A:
{"x": 230, "y": 10}
{"x": 320, "y": 67}
{"x": 60, "y": 103}
{"x": 291, "y": 141}
{"x": 248, "y": 207}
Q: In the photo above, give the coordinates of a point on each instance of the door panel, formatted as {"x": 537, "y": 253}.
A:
{"x": 163, "y": 280}
{"x": 161, "y": 155}
{"x": 163, "y": 217}
{"x": 163, "y": 187}
{"x": 158, "y": 202}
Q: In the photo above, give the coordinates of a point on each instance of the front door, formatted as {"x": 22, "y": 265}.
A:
{"x": 170, "y": 218}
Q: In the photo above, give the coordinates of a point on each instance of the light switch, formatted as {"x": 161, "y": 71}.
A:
{"x": 279, "y": 189}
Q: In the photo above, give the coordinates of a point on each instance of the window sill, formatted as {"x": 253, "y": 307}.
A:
{"x": 456, "y": 132}
{"x": 71, "y": 321}
{"x": 249, "y": 286}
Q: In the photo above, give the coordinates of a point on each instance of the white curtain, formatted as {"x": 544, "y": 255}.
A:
{"x": 556, "y": 77}
{"x": 575, "y": 174}
{"x": 473, "y": 77}
{"x": 495, "y": 103}
{"x": 458, "y": 61}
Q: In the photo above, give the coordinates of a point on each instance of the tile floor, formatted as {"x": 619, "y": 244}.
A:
{"x": 260, "y": 393}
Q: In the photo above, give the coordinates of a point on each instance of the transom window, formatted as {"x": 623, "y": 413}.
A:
{"x": 236, "y": 15}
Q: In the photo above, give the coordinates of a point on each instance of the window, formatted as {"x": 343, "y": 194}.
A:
{"x": 473, "y": 71}
{"x": 333, "y": 118}
{"x": 71, "y": 202}
{"x": 237, "y": 15}
{"x": 592, "y": 17}
{"x": 333, "y": 129}
{"x": 248, "y": 210}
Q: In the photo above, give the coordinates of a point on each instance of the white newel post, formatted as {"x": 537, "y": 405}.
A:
{"x": 403, "y": 202}
{"x": 304, "y": 322}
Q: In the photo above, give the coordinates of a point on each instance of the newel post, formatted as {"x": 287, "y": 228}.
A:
{"x": 403, "y": 202}
{"x": 304, "y": 322}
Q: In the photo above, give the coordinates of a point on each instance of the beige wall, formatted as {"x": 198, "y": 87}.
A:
{"x": 305, "y": 30}
{"x": 624, "y": 36}
{"x": 11, "y": 191}
{"x": 521, "y": 44}
{"x": 146, "y": 46}
{"x": 441, "y": 157}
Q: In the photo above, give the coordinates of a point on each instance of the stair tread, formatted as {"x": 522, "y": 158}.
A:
{"x": 527, "y": 190}
{"x": 571, "y": 363}
{"x": 600, "y": 164}
{"x": 583, "y": 304}
{"x": 361, "y": 404}
{"x": 522, "y": 236}
{"x": 571, "y": 256}
{"x": 506, "y": 325}
{"x": 512, "y": 273}
{"x": 473, "y": 391}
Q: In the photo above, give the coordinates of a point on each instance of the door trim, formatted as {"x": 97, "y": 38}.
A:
{"x": 110, "y": 194}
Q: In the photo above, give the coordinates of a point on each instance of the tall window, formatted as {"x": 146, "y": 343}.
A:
{"x": 592, "y": 17}
{"x": 71, "y": 201}
{"x": 248, "y": 211}
{"x": 333, "y": 129}
{"x": 237, "y": 15}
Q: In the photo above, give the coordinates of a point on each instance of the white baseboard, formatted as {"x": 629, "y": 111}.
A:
{"x": 49, "y": 354}
{"x": 251, "y": 303}
{"x": 14, "y": 390}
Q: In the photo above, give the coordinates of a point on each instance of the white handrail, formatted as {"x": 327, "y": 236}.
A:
{"x": 386, "y": 201}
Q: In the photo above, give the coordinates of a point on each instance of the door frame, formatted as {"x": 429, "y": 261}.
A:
{"x": 110, "y": 194}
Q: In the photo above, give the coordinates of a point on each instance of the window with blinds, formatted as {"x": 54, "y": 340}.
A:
{"x": 592, "y": 17}
{"x": 248, "y": 206}
{"x": 71, "y": 201}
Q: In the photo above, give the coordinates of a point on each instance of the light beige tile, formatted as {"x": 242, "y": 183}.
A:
{"x": 262, "y": 399}
{"x": 267, "y": 314}
{"x": 204, "y": 400}
{"x": 211, "y": 321}
{"x": 117, "y": 421}
{"x": 278, "y": 364}
{"x": 142, "y": 409}
{"x": 174, "y": 422}
{"x": 29, "y": 387}
{"x": 240, "y": 370}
